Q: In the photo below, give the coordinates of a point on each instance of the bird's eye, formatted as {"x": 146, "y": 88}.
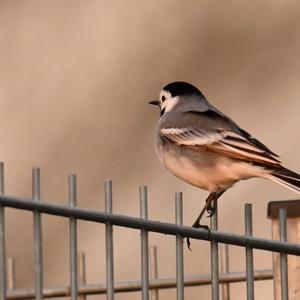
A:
{"x": 163, "y": 98}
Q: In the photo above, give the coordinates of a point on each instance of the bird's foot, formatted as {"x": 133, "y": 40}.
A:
{"x": 211, "y": 207}
{"x": 196, "y": 225}
{"x": 210, "y": 210}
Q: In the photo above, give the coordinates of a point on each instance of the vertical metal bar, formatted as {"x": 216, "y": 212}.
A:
{"x": 109, "y": 244}
{"x": 153, "y": 271}
{"x": 2, "y": 240}
{"x": 179, "y": 248}
{"x": 73, "y": 238}
{"x": 214, "y": 257}
{"x": 283, "y": 256}
{"x": 11, "y": 274}
{"x": 144, "y": 244}
{"x": 81, "y": 272}
{"x": 225, "y": 270}
{"x": 249, "y": 253}
{"x": 37, "y": 229}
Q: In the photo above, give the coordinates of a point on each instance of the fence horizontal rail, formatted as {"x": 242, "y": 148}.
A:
{"x": 154, "y": 226}
{"x": 133, "y": 286}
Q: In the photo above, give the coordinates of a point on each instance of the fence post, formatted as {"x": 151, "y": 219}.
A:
{"x": 224, "y": 268}
{"x": 153, "y": 271}
{"x": 73, "y": 239}
{"x": 109, "y": 250}
{"x": 179, "y": 249}
{"x": 249, "y": 253}
{"x": 11, "y": 274}
{"x": 293, "y": 224}
{"x": 38, "y": 238}
{"x": 81, "y": 273}
{"x": 144, "y": 244}
{"x": 214, "y": 256}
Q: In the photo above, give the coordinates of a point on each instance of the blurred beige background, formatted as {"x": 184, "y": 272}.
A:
{"x": 75, "y": 78}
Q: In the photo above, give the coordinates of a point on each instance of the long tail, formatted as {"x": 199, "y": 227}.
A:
{"x": 285, "y": 177}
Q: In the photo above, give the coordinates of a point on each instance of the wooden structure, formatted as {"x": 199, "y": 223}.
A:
{"x": 292, "y": 208}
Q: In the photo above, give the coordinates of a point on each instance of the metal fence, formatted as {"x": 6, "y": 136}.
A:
{"x": 146, "y": 285}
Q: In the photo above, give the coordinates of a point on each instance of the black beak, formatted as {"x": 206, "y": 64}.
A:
{"x": 154, "y": 102}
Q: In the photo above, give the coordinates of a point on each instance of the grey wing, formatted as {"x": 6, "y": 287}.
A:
{"x": 213, "y": 132}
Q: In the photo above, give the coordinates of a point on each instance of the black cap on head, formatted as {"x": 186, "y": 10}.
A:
{"x": 179, "y": 88}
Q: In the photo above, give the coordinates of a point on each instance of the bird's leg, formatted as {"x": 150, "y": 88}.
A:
{"x": 207, "y": 206}
{"x": 197, "y": 224}
{"x": 213, "y": 204}
{"x": 210, "y": 209}
{"x": 210, "y": 206}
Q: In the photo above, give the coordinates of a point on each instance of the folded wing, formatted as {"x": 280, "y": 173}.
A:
{"x": 220, "y": 140}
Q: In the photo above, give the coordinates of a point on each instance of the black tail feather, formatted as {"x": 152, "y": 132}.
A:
{"x": 286, "y": 178}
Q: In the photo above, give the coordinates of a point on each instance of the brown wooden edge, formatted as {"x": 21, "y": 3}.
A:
{"x": 292, "y": 208}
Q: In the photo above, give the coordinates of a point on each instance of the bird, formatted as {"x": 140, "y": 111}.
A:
{"x": 204, "y": 147}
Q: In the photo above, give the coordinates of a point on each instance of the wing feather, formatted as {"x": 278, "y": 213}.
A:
{"x": 223, "y": 141}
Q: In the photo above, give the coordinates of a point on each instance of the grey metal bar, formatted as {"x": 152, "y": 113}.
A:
{"x": 11, "y": 274}
{"x": 73, "y": 239}
{"x": 37, "y": 229}
{"x": 81, "y": 268}
{"x": 144, "y": 244}
{"x": 134, "y": 286}
{"x": 225, "y": 270}
{"x": 109, "y": 243}
{"x": 154, "y": 293}
{"x": 2, "y": 239}
{"x": 81, "y": 272}
{"x": 179, "y": 249}
{"x": 214, "y": 254}
{"x": 249, "y": 253}
{"x": 283, "y": 256}
{"x": 93, "y": 215}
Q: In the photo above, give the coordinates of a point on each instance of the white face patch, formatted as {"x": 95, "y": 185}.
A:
{"x": 170, "y": 103}
{"x": 167, "y": 102}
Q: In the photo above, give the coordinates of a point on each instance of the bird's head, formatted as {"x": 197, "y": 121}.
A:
{"x": 173, "y": 93}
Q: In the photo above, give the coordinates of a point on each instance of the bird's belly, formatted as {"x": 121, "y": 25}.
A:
{"x": 204, "y": 169}
{"x": 197, "y": 176}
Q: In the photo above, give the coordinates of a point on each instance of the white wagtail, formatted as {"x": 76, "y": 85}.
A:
{"x": 202, "y": 146}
